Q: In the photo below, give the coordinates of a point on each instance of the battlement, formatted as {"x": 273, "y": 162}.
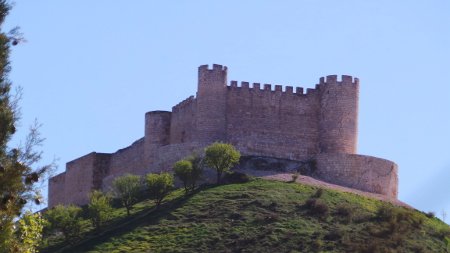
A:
{"x": 187, "y": 102}
{"x": 333, "y": 80}
{"x": 215, "y": 68}
{"x": 288, "y": 90}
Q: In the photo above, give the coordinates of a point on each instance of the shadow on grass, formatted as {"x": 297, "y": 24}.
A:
{"x": 123, "y": 225}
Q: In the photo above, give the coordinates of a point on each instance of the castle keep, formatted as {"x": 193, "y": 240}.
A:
{"x": 316, "y": 125}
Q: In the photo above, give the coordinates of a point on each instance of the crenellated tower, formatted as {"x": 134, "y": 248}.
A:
{"x": 211, "y": 103}
{"x": 338, "y": 118}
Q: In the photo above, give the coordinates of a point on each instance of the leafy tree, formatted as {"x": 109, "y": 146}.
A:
{"x": 159, "y": 185}
{"x": 197, "y": 168}
{"x": 18, "y": 178}
{"x": 183, "y": 170}
{"x": 30, "y": 230}
{"x": 189, "y": 171}
{"x": 127, "y": 188}
{"x": 65, "y": 219}
{"x": 99, "y": 208}
{"x": 221, "y": 157}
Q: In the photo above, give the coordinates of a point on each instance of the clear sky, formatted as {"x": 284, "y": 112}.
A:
{"x": 91, "y": 69}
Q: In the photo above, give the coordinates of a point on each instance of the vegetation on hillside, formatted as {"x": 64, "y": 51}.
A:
{"x": 264, "y": 216}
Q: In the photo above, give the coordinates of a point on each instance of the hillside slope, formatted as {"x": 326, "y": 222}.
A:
{"x": 269, "y": 216}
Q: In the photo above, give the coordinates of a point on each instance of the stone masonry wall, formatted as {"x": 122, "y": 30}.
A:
{"x": 273, "y": 123}
{"x": 183, "y": 121}
{"x": 79, "y": 180}
{"x": 360, "y": 172}
{"x": 56, "y": 186}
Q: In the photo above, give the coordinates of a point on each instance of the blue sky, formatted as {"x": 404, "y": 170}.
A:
{"x": 91, "y": 69}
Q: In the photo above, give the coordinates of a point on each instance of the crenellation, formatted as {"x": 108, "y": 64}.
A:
{"x": 347, "y": 79}
{"x": 289, "y": 90}
{"x": 331, "y": 79}
{"x": 311, "y": 124}
{"x": 183, "y": 103}
{"x": 310, "y": 91}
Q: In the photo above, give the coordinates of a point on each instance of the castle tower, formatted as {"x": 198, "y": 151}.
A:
{"x": 338, "y": 119}
{"x": 157, "y": 133}
{"x": 211, "y": 103}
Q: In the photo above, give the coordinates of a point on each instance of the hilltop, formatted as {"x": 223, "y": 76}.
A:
{"x": 265, "y": 216}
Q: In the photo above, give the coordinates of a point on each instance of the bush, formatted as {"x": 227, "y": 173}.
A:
{"x": 65, "y": 219}
{"x": 99, "y": 208}
{"x": 317, "y": 207}
{"x": 318, "y": 193}
{"x": 345, "y": 211}
{"x": 431, "y": 214}
{"x": 295, "y": 176}
{"x": 398, "y": 220}
{"x": 235, "y": 178}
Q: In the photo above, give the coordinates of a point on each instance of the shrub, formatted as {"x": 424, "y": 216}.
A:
{"x": 345, "y": 211}
{"x": 235, "y": 178}
{"x": 318, "y": 193}
{"x": 317, "y": 207}
{"x": 159, "y": 185}
{"x": 65, "y": 219}
{"x": 99, "y": 208}
{"x": 295, "y": 176}
{"x": 431, "y": 214}
{"x": 126, "y": 188}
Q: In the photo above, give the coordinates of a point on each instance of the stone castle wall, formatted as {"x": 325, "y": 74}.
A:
{"x": 288, "y": 123}
{"x": 273, "y": 122}
{"x": 366, "y": 173}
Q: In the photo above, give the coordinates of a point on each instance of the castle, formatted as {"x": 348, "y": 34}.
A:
{"x": 318, "y": 126}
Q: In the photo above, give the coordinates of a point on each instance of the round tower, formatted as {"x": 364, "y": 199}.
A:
{"x": 211, "y": 103}
{"x": 338, "y": 122}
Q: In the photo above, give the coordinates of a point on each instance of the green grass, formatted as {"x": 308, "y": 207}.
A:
{"x": 262, "y": 216}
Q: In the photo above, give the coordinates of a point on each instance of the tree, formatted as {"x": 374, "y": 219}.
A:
{"x": 18, "y": 178}
{"x": 189, "y": 171}
{"x": 159, "y": 185}
{"x": 221, "y": 157}
{"x": 127, "y": 188}
{"x": 197, "y": 168}
{"x": 65, "y": 219}
{"x": 183, "y": 170}
{"x": 99, "y": 208}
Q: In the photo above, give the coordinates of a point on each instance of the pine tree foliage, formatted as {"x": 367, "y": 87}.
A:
{"x": 18, "y": 174}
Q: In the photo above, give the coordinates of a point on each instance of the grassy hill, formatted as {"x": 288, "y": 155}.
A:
{"x": 265, "y": 216}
